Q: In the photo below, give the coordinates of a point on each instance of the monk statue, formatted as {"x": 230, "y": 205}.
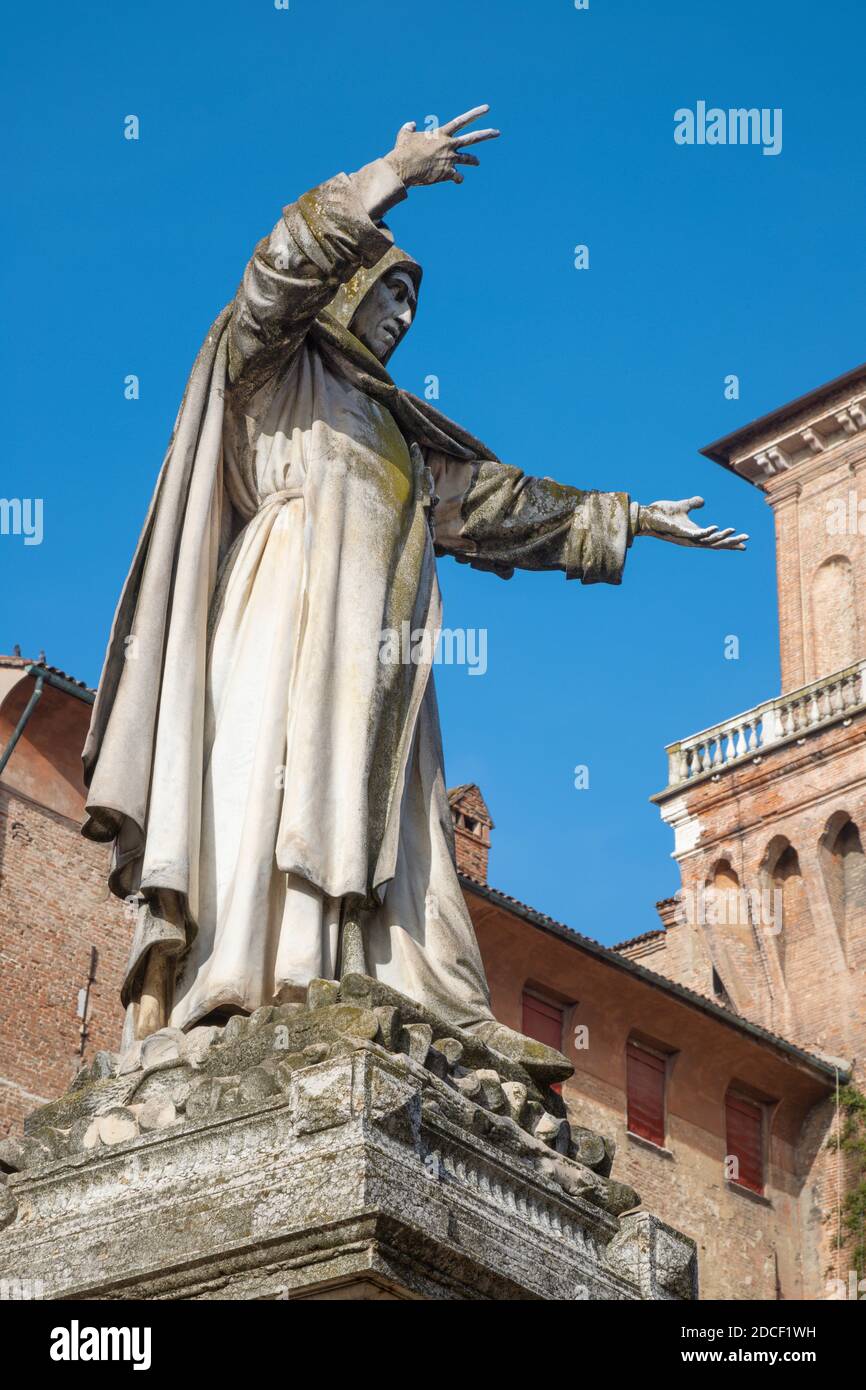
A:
{"x": 272, "y": 785}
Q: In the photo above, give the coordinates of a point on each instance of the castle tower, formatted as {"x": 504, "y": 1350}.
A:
{"x": 768, "y": 807}
{"x": 809, "y": 459}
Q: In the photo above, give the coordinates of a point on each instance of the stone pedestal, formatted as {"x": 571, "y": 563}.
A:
{"x": 237, "y": 1168}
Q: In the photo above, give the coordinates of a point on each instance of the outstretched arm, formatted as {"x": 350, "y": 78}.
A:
{"x": 495, "y": 517}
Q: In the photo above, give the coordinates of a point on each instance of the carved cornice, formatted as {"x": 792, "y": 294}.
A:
{"x": 816, "y": 429}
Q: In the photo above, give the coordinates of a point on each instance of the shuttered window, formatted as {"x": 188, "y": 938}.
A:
{"x": 645, "y": 1073}
{"x": 543, "y": 1022}
{"x": 745, "y": 1141}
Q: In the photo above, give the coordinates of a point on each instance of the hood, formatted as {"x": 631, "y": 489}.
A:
{"x": 349, "y": 297}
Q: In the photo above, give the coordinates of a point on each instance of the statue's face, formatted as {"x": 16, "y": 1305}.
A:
{"x": 386, "y": 313}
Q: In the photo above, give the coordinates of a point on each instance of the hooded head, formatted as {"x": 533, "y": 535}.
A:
{"x": 378, "y": 304}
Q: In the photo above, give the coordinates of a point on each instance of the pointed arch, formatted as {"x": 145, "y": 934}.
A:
{"x": 795, "y": 939}
{"x": 835, "y": 634}
{"x": 844, "y": 864}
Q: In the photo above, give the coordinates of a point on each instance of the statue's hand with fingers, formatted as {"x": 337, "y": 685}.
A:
{"x": 432, "y": 156}
{"x": 670, "y": 521}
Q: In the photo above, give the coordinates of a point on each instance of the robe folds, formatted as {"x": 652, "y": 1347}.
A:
{"x": 250, "y": 752}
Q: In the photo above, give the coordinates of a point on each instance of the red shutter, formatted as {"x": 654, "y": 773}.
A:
{"x": 543, "y": 1022}
{"x": 745, "y": 1141}
{"x": 646, "y": 1094}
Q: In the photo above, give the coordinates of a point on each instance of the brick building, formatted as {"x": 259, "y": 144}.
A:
{"x": 63, "y": 938}
{"x": 710, "y": 1049}
{"x": 768, "y": 808}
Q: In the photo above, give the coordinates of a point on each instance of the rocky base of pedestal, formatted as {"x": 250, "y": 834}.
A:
{"x": 350, "y": 1147}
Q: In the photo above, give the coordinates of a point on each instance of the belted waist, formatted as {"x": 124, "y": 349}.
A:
{"x": 275, "y": 499}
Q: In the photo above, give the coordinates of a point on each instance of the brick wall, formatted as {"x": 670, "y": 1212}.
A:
{"x": 54, "y": 905}
{"x": 801, "y": 972}
{"x": 821, "y": 565}
{"x": 472, "y": 827}
{"x": 748, "y": 1246}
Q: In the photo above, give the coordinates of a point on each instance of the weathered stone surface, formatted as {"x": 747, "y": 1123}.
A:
{"x": 18, "y": 1153}
{"x": 204, "y": 1098}
{"x": 450, "y": 1048}
{"x": 130, "y": 1060}
{"x": 117, "y": 1126}
{"x": 390, "y": 1024}
{"x": 157, "y": 1113}
{"x": 236, "y": 1028}
{"x": 198, "y": 1042}
{"x": 90, "y": 1139}
{"x": 104, "y": 1065}
{"x": 346, "y": 1127}
{"x": 468, "y": 1084}
{"x": 256, "y": 1057}
{"x": 553, "y": 1131}
{"x": 543, "y": 1062}
{"x": 283, "y": 1068}
{"x": 492, "y": 1095}
{"x": 164, "y": 1046}
{"x": 655, "y": 1257}
{"x": 591, "y": 1148}
{"x": 321, "y": 993}
{"x": 415, "y": 1040}
{"x": 515, "y": 1097}
{"x": 256, "y": 1084}
{"x": 353, "y": 1021}
{"x": 8, "y": 1206}
{"x": 361, "y": 1175}
{"x": 12, "y": 1154}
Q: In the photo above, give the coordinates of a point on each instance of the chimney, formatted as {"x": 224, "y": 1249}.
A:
{"x": 472, "y": 827}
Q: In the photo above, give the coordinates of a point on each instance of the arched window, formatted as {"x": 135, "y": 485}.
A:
{"x": 731, "y": 939}
{"x": 845, "y": 867}
{"x": 795, "y": 939}
{"x": 835, "y": 634}
{"x": 724, "y": 903}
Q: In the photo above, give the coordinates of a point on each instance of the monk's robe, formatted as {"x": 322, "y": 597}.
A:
{"x": 281, "y": 760}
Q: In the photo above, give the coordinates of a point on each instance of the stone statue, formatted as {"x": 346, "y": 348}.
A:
{"x": 272, "y": 784}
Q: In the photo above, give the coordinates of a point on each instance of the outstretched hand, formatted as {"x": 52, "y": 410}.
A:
{"x": 670, "y": 521}
{"x": 431, "y": 156}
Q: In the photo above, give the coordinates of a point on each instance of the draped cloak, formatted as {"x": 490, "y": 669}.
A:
{"x": 250, "y": 750}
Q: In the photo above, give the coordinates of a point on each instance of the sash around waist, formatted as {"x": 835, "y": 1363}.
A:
{"x": 276, "y": 499}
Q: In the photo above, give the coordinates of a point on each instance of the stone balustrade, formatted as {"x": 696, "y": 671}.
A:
{"x": 750, "y": 734}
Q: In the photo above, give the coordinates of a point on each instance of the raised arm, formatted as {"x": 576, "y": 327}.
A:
{"x": 318, "y": 244}
{"x": 324, "y": 237}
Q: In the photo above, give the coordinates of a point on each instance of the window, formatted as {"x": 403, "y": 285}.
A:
{"x": 542, "y": 1021}
{"x": 646, "y": 1074}
{"x": 744, "y": 1124}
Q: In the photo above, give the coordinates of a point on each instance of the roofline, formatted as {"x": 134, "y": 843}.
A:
{"x": 641, "y": 936}
{"x": 805, "y": 1060}
{"x": 721, "y": 449}
{"x": 51, "y": 675}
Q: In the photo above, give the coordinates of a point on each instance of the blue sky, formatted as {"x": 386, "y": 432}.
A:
{"x": 703, "y": 262}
